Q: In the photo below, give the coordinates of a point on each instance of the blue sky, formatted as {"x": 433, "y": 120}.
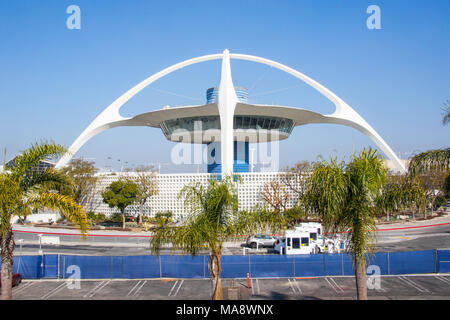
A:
{"x": 55, "y": 81}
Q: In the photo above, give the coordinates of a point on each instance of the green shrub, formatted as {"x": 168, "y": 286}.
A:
{"x": 91, "y": 215}
{"x": 131, "y": 225}
{"x": 100, "y": 217}
{"x": 116, "y": 217}
{"x": 439, "y": 202}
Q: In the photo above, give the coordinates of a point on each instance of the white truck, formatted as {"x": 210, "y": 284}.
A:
{"x": 307, "y": 239}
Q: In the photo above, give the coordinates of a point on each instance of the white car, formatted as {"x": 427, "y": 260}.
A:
{"x": 261, "y": 240}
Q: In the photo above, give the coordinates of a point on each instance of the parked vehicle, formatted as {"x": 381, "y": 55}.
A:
{"x": 261, "y": 240}
{"x": 294, "y": 242}
{"x": 17, "y": 278}
{"x": 307, "y": 238}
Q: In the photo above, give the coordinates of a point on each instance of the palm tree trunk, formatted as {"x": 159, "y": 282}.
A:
{"x": 432, "y": 208}
{"x": 214, "y": 270}
{"x": 123, "y": 220}
{"x": 7, "y": 245}
{"x": 361, "y": 278}
{"x": 141, "y": 207}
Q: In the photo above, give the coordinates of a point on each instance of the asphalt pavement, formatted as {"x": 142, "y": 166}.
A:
{"x": 424, "y": 287}
{"x": 418, "y": 235}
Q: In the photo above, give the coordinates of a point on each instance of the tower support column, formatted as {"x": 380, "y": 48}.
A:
{"x": 227, "y": 100}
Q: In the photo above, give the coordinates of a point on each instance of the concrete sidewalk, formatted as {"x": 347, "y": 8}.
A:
{"x": 415, "y": 223}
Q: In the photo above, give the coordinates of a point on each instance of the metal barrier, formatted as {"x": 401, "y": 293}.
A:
{"x": 258, "y": 266}
{"x": 443, "y": 261}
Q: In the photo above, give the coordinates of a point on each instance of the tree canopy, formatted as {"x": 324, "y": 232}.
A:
{"x": 344, "y": 197}
{"x": 120, "y": 194}
{"x": 82, "y": 173}
{"x": 24, "y": 188}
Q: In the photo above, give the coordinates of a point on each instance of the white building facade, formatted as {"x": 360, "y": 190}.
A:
{"x": 170, "y": 185}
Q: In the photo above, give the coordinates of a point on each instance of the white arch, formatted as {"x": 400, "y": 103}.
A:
{"x": 344, "y": 114}
{"x": 110, "y": 117}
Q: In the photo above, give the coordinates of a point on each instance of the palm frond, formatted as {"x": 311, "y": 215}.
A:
{"x": 438, "y": 159}
{"x": 65, "y": 204}
{"x": 446, "y": 113}
{"x": 30, "y": 158}
{"x": 10, "y": 196}
{"x": 47, "y": 180}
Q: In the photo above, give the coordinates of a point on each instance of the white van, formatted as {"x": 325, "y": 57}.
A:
{"x": 294, "y": 242}
{"x": 307, "y": 238}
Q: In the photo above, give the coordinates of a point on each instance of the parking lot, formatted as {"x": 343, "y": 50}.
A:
{"x": 391, "y": 287}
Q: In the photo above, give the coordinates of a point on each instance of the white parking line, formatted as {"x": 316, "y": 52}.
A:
{"x": 93, "y": 290}
{"x": 334, "y": 285}
{"x": 175, "y": 286}
{"x": 337, "y": 286}
{"x": 291, "y": 286}
{"x": 294, "y": 286}
{"x": 97, "y": 288}
{"x": 135, "y": 290}
{"x": 252, "y": 286}
{"x": 414, "y": 285}
{"x": 54, "y": 290}
{"x": 22, "y": 288}
{"x": 298, "y": 286}
{"x": 181, "y": 283}
{"x": 257, "y": 287}
{"x": 443, "y": 279}
{"x": 139, "y": 282}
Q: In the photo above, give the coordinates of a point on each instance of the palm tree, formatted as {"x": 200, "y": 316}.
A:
{"x": 214, "y": 218}
{"x": 432, "y": 169}
{"x": 23, "y": 188}
{"x": 401, "y": 192}
{"x": 433, "y": 164}
{"x": 446, "y": 113}
{"x": 431, "y": 160}
{"x": 344, "y": 196}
